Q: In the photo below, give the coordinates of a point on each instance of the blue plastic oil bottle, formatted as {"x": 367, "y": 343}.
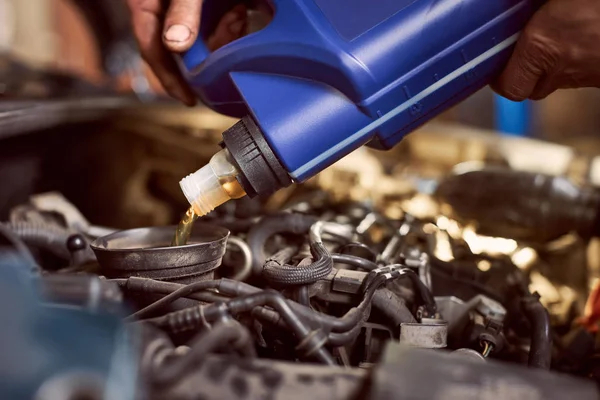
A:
{"x": 328, "y": 76}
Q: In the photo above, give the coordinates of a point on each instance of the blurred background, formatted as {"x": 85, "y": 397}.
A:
{"x": 56, "y": 34}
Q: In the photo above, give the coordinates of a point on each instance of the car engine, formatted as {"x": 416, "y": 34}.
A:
{"x": 387, "y": 276}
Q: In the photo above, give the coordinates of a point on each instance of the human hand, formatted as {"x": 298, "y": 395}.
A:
{"x": 162, "y": 28}
{"x": 559, "y": 49}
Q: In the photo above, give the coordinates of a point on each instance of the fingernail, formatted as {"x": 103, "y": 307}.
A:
{"x": 178, "y": 33}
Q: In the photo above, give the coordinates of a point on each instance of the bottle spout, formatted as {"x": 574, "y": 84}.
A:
{"x": 212, "y": 185}
{"x": 246, "y": 165}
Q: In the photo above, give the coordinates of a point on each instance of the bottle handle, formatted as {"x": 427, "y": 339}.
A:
{"x": 197, "y": 53}
{"x": 212, "y": 12}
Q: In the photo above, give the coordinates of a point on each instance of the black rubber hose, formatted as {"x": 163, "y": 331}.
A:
{"x": 190, "y": 318}
{"x": 48, "y": 237}
{"x": 384, "y": 300}
{"x": 345, "y": 338}
{"x": 342, "y": 339}
{"x": 392, "y": 308}
{"x": 151, "y": 286}
{"x": 20, "y": 246}
{"x": 279, "y": 303}
{"x": 282, "y": 257}
{"x": 349, "y": 320}
{"x": 177, "y": 294}
{"x": 302, "y": 292}
{"x": 424, "y": 293}
{"x": 291, "y": 275}
{"x": 354, "y": 261}
{"x": 223, "y": 336}
{"x": 421, "y": 289}
{"x": 327, "y": 322}
{"x": 317, "y": 319}
{"x": 347, "y": 249}
{"x": 303, "y": 296}
{"x": 233, "y": 288}
{"x": 540, "y": 352}
{"x": 145, "y": 285}
{"x": 270, "y": 225}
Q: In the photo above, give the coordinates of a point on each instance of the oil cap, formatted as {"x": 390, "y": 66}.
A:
{"x": 261, "y": 173}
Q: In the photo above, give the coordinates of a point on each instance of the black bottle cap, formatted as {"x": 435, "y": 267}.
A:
{"x": 261, "y": 171}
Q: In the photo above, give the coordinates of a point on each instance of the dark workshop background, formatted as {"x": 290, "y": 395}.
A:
{"x": 52, "y": 33}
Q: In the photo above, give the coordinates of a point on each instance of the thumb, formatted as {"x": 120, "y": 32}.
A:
{"x": 182, "y": 24}
{"x": 522, "y": 73}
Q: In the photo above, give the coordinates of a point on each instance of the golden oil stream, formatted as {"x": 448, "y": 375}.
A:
{"x": 184, "y": 229}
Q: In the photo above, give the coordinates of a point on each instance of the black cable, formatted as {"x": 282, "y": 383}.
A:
{"x": 222, "y": 336}
{"x": 361, "y": 246}
{"x": 270, "y": 225}
{"x": 177, "y": 294}
{"x": 146, "y": 285}
{"x": 236, "y": 288}
{"x": 381, "y": 299}
{"x": 190, "y": 318}
{"x": 423, "y": 291}
{"x": 392, "y": 308}
{"x": 345, "y": 329}
{"x": 345, "y": 338}
{"x": 302, "y": 292}
{"x": 399, "y": 271}
{"x": 282, "y": 257}
{"x": 354, "y": 261}
{"x": 290, "y": 275}
{"x": 315, "y": 318}
{"x": 303, "y": 296}
{"x": 384, "y": 300}
{"x": 20, "y": 246}
{"x": 45, "y": 236}
{"x": 279, "y": 303}
{"x": 540, "y": 352}
{"x": 348, "y": 320}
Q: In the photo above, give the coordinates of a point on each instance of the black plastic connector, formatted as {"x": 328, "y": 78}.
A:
{"x": 261, "y": 173}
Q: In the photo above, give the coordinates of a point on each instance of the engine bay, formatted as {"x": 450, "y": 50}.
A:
{"x": 381, "y": 278}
